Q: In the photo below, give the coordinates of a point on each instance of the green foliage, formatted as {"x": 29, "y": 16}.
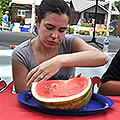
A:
{"x": 104, "y": 33}
{"x": 85, "y": 25}
{"x": 100, "y": 33}
{"x": 84, "y": 32}
{"x": 4, "y": 6}
{"x": 117, "y": 4}
{"x": 70, "y": 30}
{"x": 1, "y": 15}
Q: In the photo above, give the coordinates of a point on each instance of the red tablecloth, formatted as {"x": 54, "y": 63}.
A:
{"x": 12, "y": 109}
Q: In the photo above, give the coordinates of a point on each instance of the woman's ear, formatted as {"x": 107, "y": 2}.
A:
{"x": 36, "y": 21}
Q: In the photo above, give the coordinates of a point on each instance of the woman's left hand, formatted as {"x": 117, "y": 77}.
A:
{"x": 44, "y": 71}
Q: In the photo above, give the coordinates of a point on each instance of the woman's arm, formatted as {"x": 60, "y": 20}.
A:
{"x": 83, "y": 55}
{"x": 19, "y": 77}
{"x": 110, "y": 88}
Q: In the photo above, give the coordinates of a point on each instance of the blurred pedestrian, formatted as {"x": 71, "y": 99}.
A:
{"x": 5, "y": 20}
{"x": 11, "y": 26}
{"x": 22, "y": 24}
{"x": 79, "y": 23}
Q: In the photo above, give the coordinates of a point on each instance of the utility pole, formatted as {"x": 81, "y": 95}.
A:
{"x": 33, "y": 15}
{"x": 109, "y": 17}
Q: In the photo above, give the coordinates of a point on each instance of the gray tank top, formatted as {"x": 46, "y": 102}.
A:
{"x": 23, "y": 55}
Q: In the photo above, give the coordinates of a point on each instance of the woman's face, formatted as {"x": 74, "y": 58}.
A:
{"x": 52, "y": 29}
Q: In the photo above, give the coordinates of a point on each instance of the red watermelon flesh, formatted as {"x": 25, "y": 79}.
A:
{"x": 60, "y": 90}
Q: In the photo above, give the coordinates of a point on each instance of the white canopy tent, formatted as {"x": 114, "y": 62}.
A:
{"x": 24, "y": 4}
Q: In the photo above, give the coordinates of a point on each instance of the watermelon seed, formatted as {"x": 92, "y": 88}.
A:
{"x": 53, "y": 87}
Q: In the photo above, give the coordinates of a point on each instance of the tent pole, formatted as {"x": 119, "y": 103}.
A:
{"x": 94, "y": 38}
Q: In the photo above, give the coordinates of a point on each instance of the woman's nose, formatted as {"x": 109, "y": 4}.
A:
{"x": 54, "y": 34}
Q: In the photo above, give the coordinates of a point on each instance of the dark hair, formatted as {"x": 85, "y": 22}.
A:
{"x": 52, "y": 6}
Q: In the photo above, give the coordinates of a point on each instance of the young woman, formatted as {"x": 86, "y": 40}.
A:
{"x": 53, "y": 54}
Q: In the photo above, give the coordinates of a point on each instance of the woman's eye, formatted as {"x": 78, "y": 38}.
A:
{"x": 61, "y": 30}
{"x": 49, "y": 28}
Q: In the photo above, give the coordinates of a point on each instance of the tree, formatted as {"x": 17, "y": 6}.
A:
{"x": 4, "y": 6}
{"x": 117, "y": 4}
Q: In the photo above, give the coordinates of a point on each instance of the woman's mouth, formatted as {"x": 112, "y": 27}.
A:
{"x": 52, "y": 42}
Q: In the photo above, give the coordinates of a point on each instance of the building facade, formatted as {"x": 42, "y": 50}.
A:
{"x": 85, "y": 10}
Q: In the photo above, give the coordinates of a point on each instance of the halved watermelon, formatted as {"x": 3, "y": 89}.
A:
{"x": 63, "y": 94}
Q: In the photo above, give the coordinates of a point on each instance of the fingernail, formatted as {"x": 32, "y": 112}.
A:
{"x": 27, "y": 84}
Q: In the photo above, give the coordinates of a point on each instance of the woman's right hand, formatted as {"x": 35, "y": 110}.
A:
{"x": 44, "y": 70}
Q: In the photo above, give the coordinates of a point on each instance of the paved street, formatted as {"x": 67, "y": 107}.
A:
{"x": 8, "y": 38}
{"x": 114, "y": 42}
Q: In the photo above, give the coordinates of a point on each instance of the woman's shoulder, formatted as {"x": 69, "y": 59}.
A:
{"x": 68, "y": 36}
{"x": 23, "y": 47}
{"x": 22, "y": 51}
{"x": 66, "y": 44}
{"x": 22, "y": 54}
{"x": 24, "y": 44}
{"x": 68, "y": 39}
